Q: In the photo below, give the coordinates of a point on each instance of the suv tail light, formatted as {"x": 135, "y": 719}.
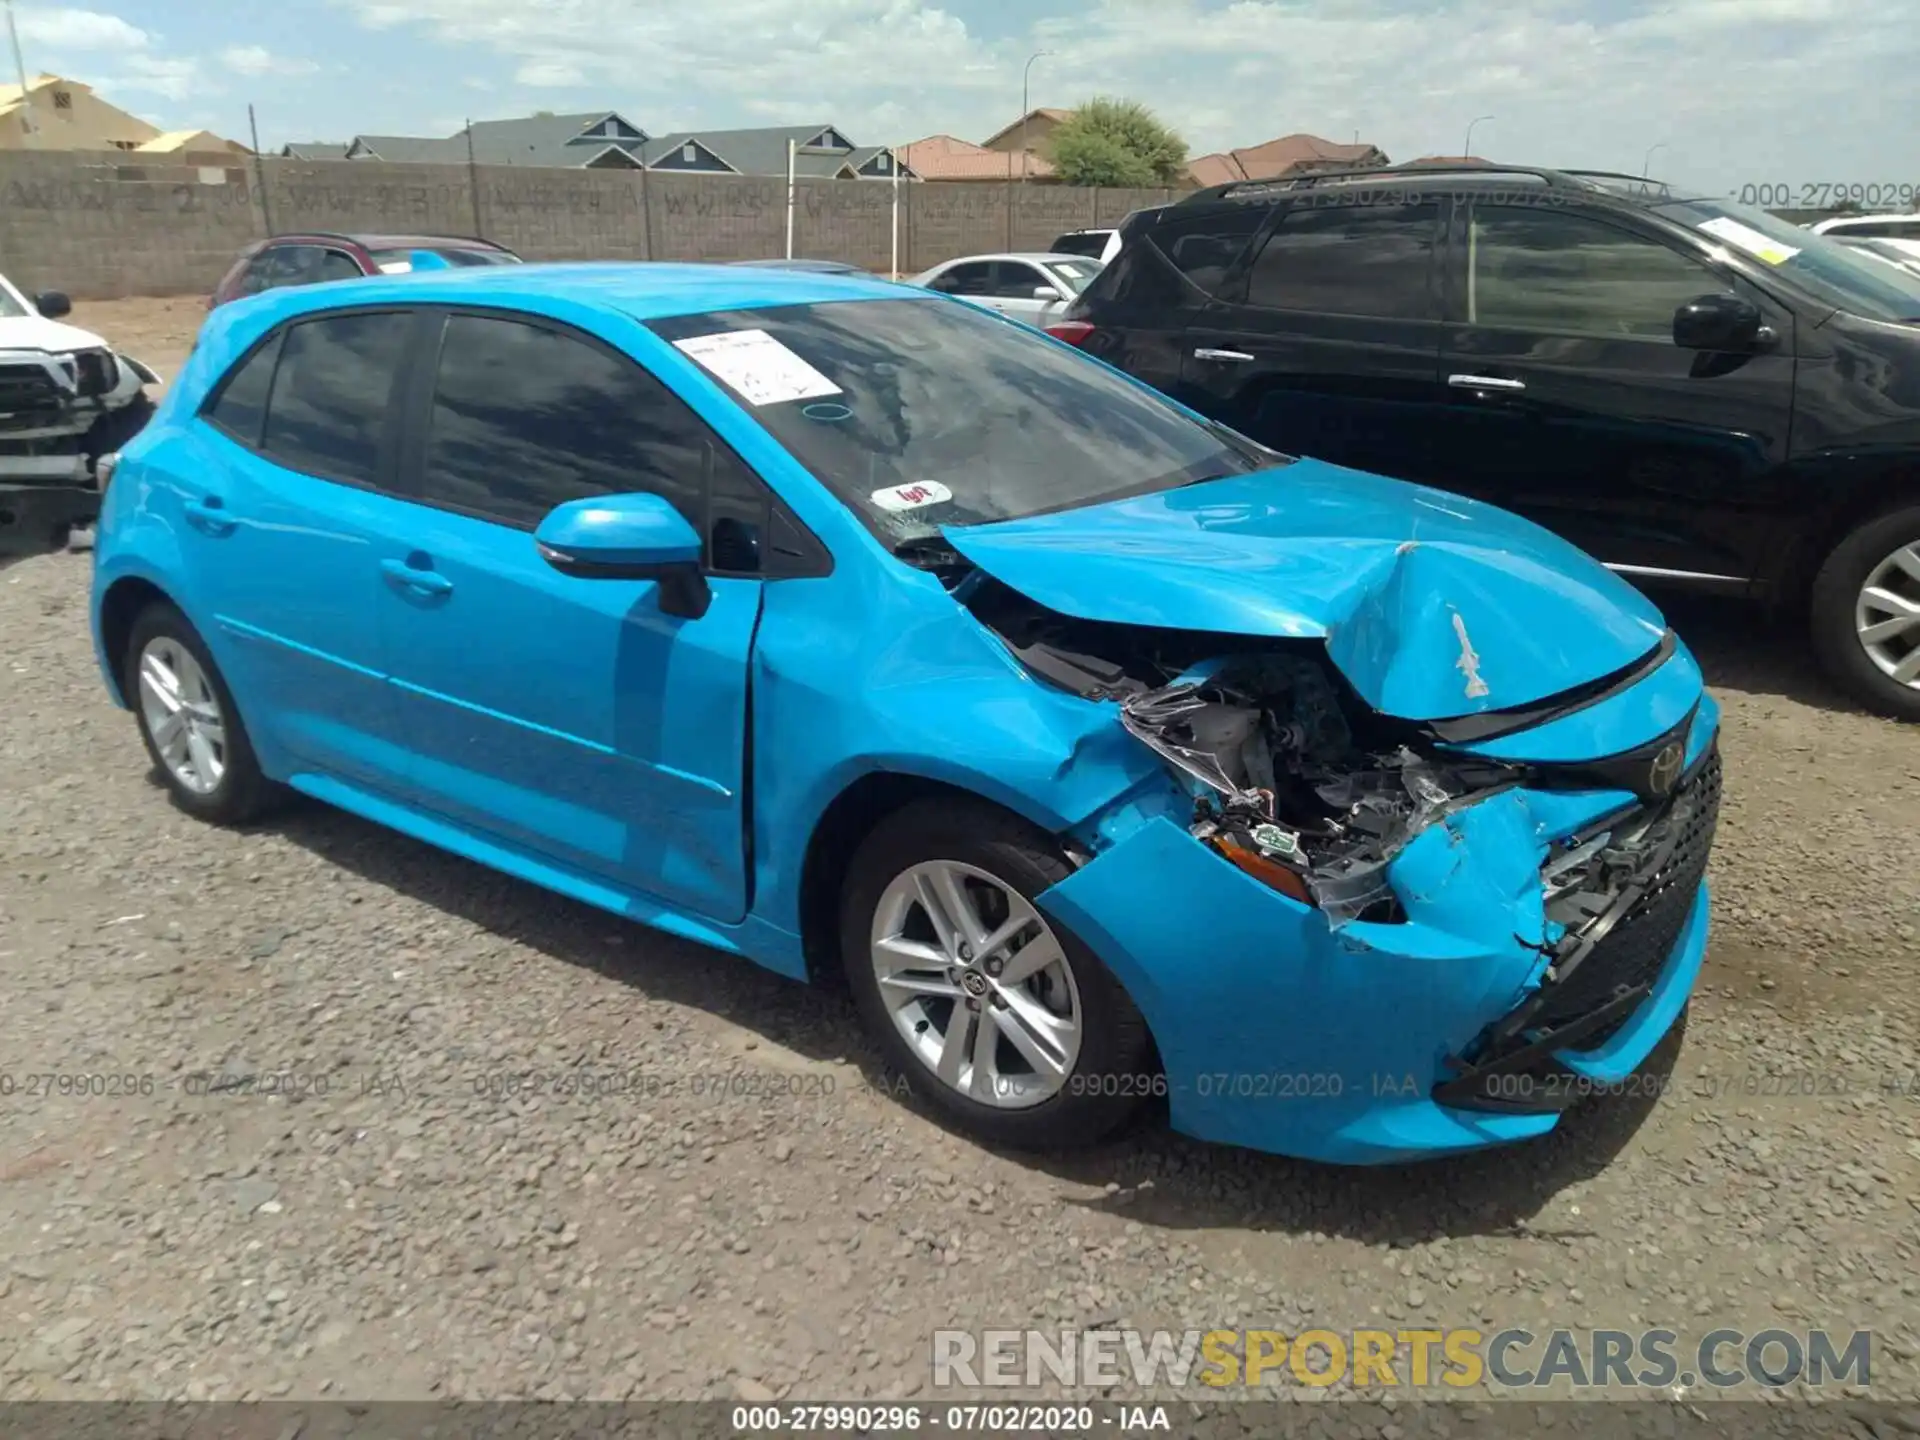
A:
{"x": 1074, "y": 332}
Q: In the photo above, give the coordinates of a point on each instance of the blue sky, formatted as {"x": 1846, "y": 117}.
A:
{"x": 1739, "y": 92}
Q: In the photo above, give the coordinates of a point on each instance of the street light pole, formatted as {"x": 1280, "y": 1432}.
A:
{"x": 1646, "y": 165}
{"x": 1467, "y": 151}
{"x": 1025, "y": 75}
{"x": 20, "y": 67}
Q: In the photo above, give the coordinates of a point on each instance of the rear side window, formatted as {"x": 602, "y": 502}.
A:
{"x": 526, "y": 418}
{"x": 239, "y": 406}
{"x": 331, "y": 394}
{"x": 976, "y": 277}
{"x": 1204, "y": 247}
{"x": 1373, "y": 260}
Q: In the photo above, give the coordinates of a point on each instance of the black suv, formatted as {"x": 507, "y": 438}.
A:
{"x": 1695, "y": 391}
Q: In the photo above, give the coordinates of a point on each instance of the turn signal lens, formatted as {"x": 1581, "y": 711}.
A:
{"x": 1271, "y": 873}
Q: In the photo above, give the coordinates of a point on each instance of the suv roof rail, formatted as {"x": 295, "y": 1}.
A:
{"x": 1556, "y": 179}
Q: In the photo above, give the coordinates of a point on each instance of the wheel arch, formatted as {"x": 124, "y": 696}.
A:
{"x": 120, "y": 607}
{"x": 1890, "y": 487}
{"x": 847, "y": 820}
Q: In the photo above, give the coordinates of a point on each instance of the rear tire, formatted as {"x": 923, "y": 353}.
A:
{"x": 982, "y": 1013}
{"x": 189, "y": 723}
{"x": 1866, "y": 614}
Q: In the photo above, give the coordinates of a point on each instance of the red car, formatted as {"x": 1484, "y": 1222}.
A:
{"x": 313, "y": 256}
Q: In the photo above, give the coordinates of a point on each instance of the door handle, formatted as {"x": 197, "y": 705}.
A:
{"x": 1229, "y": 356}
{"x": 210, "y": 515}
{"x": 1486, "y": 382}
{"x": 420, "y": 580}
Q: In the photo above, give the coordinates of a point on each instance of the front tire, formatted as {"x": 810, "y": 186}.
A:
{"x": 189, "y": 723}
{"x": 1866, "y": 614}
{"x": 998, "y": 1017}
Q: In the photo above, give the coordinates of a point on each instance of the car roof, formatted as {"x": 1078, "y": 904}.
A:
{"x": 1052, "y": 257}
{"x": 644, "y": 290}
{"x": 388, "y": 242}
{"x": 1598, "y": 186}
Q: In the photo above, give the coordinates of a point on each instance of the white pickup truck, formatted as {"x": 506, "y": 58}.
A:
{"x": 66, "y": 399}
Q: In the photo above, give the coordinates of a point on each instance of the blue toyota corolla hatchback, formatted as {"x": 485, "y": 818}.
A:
{"x": 1107, "y": 754}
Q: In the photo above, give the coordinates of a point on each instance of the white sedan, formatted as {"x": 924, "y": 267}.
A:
{"x": 1032, "y": 287}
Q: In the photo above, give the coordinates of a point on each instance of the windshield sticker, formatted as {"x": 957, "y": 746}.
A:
{"x": 758, "y": 367}
{"x": 896, "y": 498}
{"x": 1749, "y": 239}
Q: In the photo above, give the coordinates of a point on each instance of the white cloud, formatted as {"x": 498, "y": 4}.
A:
{"x": 258, "y": 60}
{"x": 1740, "y": 90}
{"x": 78, "y": 30}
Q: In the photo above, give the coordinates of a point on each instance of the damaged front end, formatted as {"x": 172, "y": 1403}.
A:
{"x": 59, "y": 412}
{"x": 1468, "y": 934}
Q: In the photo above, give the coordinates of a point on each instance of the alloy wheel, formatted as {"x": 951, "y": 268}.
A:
{"x": 1887, "y": 615}
{"x": 977, "y": 984}
{"x": 182, "y": 715}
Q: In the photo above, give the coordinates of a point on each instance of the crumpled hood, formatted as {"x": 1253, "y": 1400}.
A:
{"x": 36, "y": 332}
{"x": 1432, "y": 605}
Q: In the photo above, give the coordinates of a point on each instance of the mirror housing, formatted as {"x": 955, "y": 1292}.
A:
{"x": 53, "y": 304}
{"x": 1721, "y": 322}
{"x": 628, "y": 537}
{"x": 1045, "y": 292}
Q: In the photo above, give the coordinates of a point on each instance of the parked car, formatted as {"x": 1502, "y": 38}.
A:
{"x": 1101, "y": 245}
{"x": 1885, "y": 227}
{"x": 817, "y": 267}
{"x": 66, "y": 400}
{"x": 1107, "y": 753}
{"x": 1028, "y": 287}
{"x": 1696, "y": 392}
{"x": 1904, "y": 253}
{"x": 316, "y": 256}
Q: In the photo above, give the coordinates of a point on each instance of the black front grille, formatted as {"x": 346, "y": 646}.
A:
{"x": 1637, "y": 948}
{"x": 28, "y": 387}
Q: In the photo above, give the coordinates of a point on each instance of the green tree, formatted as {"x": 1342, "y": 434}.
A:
{"x": 1117, "y": 142}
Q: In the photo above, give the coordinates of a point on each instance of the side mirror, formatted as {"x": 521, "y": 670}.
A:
{"x": 1721, "y": 322}
{"x": 628, "y": 537}
{"x": 1045, "y": 292}
{"x": 53, "y": 304}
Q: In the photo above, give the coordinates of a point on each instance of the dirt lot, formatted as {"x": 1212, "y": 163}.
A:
{"x": 394, "y": 1227}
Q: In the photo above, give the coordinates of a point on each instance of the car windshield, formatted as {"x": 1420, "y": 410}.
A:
{"x": 453, "y": 255}
{"x": 10, "y": 308}
{"x": 1838, "y": 274}
{"x": 1076, "y": 275}
{"x": 924, "y": 413}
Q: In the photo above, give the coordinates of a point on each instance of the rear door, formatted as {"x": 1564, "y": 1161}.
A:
{"x": 571, "y": 718}
{"x": 278, "y": 507}
{"x": 1570, "y": 403}
{"x": 1326, "y": 340}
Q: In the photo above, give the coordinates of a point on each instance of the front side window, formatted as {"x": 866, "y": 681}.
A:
{"x": 525, "y": 418}
{"x": 1831, "y": 272}
{"x": 1017, "y": 280}
{"x": 1549, "y": 271}
{"x": 918, "y": 414}
{"x": 332, "y": 391}
{"x": 1371, "y": 260}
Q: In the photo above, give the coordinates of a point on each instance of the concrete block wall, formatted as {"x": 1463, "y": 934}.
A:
{"x": 98, "y": 227}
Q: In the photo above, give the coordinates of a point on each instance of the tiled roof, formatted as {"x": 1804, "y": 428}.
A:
{"x": 1277, "y": 157}
{"x": 1043, "y": 112}
{"x": 946, "y": 157}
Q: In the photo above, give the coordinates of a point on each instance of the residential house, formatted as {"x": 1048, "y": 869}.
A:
{"x": 192, "y": 147}
{"x": 1290, "y": 154}
{"x": 1448, "y": 160}
{"x": 947, "y": 157}
{"x": 54, "y": 113}
{"x": 601, "y": 140}
{"x": 1031, "y": 132}
{"x": 314, "y": 150}
{"x": 821, "y": 152}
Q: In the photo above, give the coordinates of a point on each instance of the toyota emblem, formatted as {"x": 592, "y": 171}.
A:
{"x": 1665, "y": 770}
{"x": 974, "y": 983}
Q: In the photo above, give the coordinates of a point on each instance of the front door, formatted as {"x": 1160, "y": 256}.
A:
{"x": 572, "y": 718}
{"x": 1570, "y": 403}
{"x": 1329, "y": 345}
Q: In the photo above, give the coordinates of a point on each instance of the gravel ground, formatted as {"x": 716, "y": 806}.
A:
{"x": 392, "y": 1224}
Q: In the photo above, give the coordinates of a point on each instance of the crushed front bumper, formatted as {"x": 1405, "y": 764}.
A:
{"x": 1369, "y": 1043}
